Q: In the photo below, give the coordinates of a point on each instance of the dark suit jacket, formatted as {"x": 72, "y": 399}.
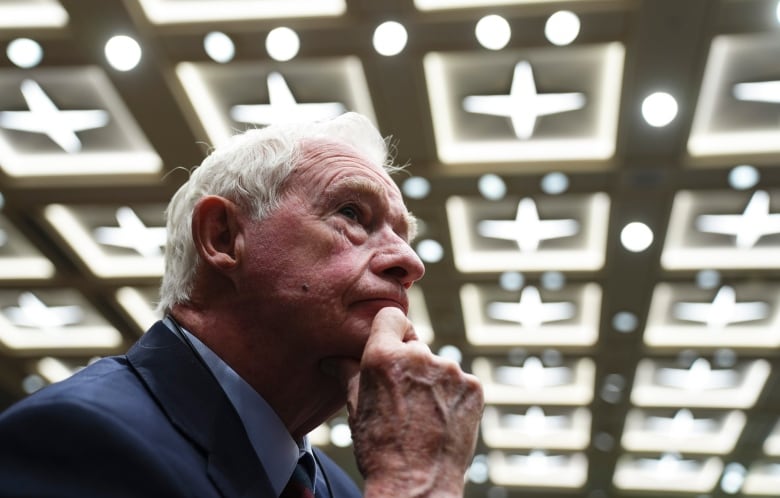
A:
{"x": 151, "y": 423}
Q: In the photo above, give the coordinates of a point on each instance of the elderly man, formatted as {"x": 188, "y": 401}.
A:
{"x": 284, "y": 297}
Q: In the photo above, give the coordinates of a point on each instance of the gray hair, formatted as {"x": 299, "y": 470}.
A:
{"x": 250, "y": 170}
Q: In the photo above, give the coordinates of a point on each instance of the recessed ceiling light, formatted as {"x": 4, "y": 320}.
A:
{"x": 24, "y": 52}
{"x": 219, "y": 47}
{"x": 562, "y": 28}
{"x": 743, "y": 177}
{"x": 625, "y": 321}
{"x": 636, "y": 236}
{"x": 491, "y": 186}
{"x": 390, "y": 38}
{"x": 282, "y": 44}
{"x": 123, "y": 52}
{"x": 659, "y": 109}
{"x": 493, "y": 32}
{"x": 416, "y": 187}
{"x": 555, "y": 183}
{"x": 430, "y": 251}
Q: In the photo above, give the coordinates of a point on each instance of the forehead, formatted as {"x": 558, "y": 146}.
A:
{"x": 325, "y": 165}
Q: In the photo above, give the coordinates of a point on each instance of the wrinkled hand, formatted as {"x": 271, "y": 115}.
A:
{"x": 414, "y": 416}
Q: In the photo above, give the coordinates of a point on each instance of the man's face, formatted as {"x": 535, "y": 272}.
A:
{"x": 333, "y": 254}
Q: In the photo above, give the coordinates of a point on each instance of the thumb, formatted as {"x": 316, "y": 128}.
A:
{"x": 347, "y": 372}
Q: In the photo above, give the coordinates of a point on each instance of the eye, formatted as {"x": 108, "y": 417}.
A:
{"x": 350, "y": 211}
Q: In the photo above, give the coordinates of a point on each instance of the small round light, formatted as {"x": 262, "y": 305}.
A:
{"x": 636, "y": 236}
{"x": 659, "y": 109}
{"x": 555, "y": 183}
{"x": 511, "y": 281}
{"x": 451, "y": 353}
{"x": 340, "y": 435}
{"x": 553, "y": 280}
{"x": 708, "y": 279}
{"x": 724, "y": 358}
{"x": 24, "y": 52}
{"x": 743, "y": 177}
{"x": 123, "y": 53}
{"x": 416, "y": 187}
{"x": 478, "y": 471}
{"x": 219, "y": 47}
{"x": 390, "y": 38}
{"x": 625, "y": 322}
{"x": 562, "y": 28}
{"x": 430, "y": 251}
{"x": 491, "y": 186}
{"x": 733, "y": 478}
{"x": 603, "y": 441}
{"x": 282, "y": 44}
{"x": 32, "y": 383}
{"x": 493, "y": 32}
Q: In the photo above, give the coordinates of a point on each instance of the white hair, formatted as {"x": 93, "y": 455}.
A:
{"x": 250, "y": 170}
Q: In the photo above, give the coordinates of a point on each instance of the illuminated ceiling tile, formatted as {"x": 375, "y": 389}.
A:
{"x": 418, "y": 315}
{"x": 37, "y": 14}
{"x": 538, "y": 469}
{"x": 725, "y": 122}
{"x": 669, "y": 473}
{"x": 536, "y": 428}
{"x": 682, "y": 430}
{"x": 53, "y": 320}
{"x": 531, "y": 77}
{"x": 534, "y": 383}
{"x": 59, "y": 123}
{"x": 225, "y": 95}
{"x": 486, "y": 251}
{"x": 19, "y": 259}
{"x": 772, "y": 443}
{"x": 494, "y": 317}
{"x": 722, "y": 229}
{"x": 683, "y": 315}
{"x": 458, "y": 4}
{"x": 194, "y": 11}
{"x": 112, "y": 242}
{"x": 664, "y": 383}
{"x": 139, "y": 304}
{"x": 56, "y": 369}
{"x": 762, "y": 479}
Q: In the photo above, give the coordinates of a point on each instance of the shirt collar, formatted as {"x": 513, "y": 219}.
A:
{"x": 276, "y": 449}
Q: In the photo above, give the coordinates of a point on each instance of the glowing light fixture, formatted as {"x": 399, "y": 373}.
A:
{"x": 282, "y": 44}
{"x": 562, "y": 28}
{"x": 511, "y": 280}
{"x": 390, "y": 38}
{"x": 555, "y": 183}
{"x": 24, "y": 52}
{"x": 659, "y": 109}
{"x": 636, "y": 236}
{"x": 777, "y": 12}
{"x": 219, "y": 47}
{"x": 625, "y": 321}
{"x": 430, "y": 251}
{"x": 416, "y": 187}
{"x": 340, "y": 435}
{"x": 743, "y": 177}
{"x": 491, "y": 186}
{"x": 493, "y": 32}
{"x": 123, "y": 52}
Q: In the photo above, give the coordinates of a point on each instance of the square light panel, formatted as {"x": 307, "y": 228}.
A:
{"x": 525, "y": 106}
{"x": 69, "y": 122}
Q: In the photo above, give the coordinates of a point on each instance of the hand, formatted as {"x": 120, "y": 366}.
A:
{"x": 414, "y": 416}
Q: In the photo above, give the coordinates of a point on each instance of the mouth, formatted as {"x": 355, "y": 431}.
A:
{"x": 380, "y": 302}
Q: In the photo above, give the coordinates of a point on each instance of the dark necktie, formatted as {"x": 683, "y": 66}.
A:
{"x": 300, "y": 484}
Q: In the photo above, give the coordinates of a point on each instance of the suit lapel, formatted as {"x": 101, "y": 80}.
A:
{"x": 196, "y": 404}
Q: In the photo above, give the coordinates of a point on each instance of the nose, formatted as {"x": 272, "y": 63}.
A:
{"x": 399, "y": 261}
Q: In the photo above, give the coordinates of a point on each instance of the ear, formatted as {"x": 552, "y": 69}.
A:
{"x": 216, "y": 231}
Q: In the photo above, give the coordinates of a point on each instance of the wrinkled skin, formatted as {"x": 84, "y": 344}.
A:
{"x": 320, "y": 284}
{"x": 413, "y": 415}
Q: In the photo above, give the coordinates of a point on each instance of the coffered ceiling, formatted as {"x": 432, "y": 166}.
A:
{"x": 611, "y": 273}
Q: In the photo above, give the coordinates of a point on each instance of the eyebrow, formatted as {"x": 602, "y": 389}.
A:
{"x": 377, "y": 192}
